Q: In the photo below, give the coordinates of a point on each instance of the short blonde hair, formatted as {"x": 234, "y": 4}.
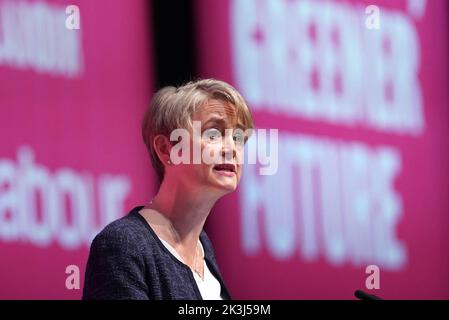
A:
{"x": 173, "y": 108}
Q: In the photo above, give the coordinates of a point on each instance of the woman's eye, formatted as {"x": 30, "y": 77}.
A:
{"x": 212, "y": 134}
{"x": 238, "y": 137}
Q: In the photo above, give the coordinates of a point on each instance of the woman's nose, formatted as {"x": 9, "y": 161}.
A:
{"x": 228, "y": 149}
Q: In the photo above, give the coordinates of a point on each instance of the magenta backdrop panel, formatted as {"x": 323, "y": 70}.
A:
{"x": 71, "y": 153}
{"x": 359, "y": 93}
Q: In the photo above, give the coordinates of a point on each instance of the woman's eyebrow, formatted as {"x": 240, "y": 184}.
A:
{"x": 217, "y": 120}
{"x": 223, "y": 122}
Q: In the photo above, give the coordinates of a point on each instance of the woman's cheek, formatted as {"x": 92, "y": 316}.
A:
{"x": 210, "y": 153}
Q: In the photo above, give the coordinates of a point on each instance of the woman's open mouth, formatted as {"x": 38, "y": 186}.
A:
{"x": 226, "y": 169}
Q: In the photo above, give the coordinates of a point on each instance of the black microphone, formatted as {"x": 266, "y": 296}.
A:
{"x": 365, "y": 296}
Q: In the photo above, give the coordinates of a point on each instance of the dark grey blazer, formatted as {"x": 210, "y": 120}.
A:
{"x": 127, "y": 260}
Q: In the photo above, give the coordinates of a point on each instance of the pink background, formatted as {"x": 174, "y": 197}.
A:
{"x": 422, "y": 183}
{"x": 89, "y": 123}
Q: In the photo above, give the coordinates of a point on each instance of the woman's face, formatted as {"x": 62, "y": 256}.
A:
{"x": 221, "y": 144}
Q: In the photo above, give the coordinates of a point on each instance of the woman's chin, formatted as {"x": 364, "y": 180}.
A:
{"x": 224, "y": 181}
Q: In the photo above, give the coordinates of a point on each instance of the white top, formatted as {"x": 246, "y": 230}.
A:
{"x": 210, "y": 287}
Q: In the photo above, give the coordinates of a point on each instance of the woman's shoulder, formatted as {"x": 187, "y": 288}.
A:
{"x": 123, "y": 232}
{"x": 116, "y": 265}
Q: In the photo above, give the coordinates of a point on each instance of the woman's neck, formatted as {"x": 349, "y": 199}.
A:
{"x": 185, "y": 208}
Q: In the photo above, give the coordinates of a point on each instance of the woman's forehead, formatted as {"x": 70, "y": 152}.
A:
{"x": 216, "y": 108}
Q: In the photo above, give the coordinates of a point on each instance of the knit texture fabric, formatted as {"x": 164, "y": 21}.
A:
{"x": 127, "y": 260}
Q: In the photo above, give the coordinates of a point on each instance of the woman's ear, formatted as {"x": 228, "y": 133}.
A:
{"x": 162, "y": 147}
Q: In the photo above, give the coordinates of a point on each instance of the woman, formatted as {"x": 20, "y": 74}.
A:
{"x": 160, "y": 250}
